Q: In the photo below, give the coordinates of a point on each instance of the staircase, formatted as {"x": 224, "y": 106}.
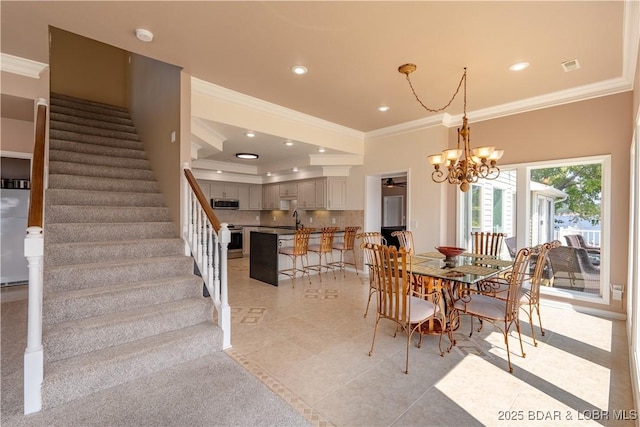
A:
{"x": 120, "y": 298}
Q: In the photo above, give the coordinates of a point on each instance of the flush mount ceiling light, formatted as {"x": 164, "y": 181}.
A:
{"x": 519, "y": 66}
{"x": 299, "y": 69}
{"x": 474, "y": 164}
{"x": 249, "y": 156}
{"x": 144, "y": 35}
{"x": 250, "y": 134}
{"x": 383, "y": 108}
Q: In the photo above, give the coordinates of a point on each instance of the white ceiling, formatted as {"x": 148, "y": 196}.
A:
{"x": 353, "y": 49}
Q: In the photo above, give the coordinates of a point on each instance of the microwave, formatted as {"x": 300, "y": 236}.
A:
{"x": 225, "y": 203}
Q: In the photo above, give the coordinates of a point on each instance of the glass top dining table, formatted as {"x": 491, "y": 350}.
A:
{"x": 465, "y": 268}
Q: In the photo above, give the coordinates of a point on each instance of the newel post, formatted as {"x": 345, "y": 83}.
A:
{"x": 224, "y": 316}
{"x": 33, "y": 355}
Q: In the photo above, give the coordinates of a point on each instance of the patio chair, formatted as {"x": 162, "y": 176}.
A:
{"x": 577, "y": 241}
{"x": 574, "y": 262}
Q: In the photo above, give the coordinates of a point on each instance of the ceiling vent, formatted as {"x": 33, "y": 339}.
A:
{"x": 570, "y": 65}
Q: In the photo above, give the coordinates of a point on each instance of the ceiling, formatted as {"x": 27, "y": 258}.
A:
{"x": 352, "y": 50}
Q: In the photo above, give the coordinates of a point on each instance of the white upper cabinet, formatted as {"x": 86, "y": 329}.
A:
{"x": 336, "y": 193}
{"x": 224, "y": 190}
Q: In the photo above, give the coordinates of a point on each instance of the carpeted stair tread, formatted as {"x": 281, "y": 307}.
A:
{"x": 63, "y": 278}
{"x": 94, "y": 183}
{"x": 80, "y": 114}
{"x": 90, "y": 130}
{"x": 62, "y": 196}
{"x": 88, "y": 232}
{"x": 80, "y": 303}
{"x": 68, "y": 339}
{"x": 74, "y": 119}
{"x": 97, "y": 214}
{"x": 70, "y": 168}
{"x": 95, "y": 139}
{"x": 72, "y": 378}
{"x": 81, "y": 101}
{"x": 88, "y": 252}
{"x": 97, "y": 160}
{"x": 101, "y": 150}
{"x": 93, "y": 107}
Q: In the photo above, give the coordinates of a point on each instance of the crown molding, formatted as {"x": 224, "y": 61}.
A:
{"x": 335, "y": 159}
{"x": 21, "y": 66}
{"x": 233, "y": 97}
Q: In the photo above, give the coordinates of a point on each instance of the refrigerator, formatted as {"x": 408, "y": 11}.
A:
{"x": 14, "y": 206}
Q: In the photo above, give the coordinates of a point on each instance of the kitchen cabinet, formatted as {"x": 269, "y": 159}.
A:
{"x": 289, "y": 189}
{"x": 271, "y": 196}
{"x": 321, "y": 193}
{"x": 255, "y": 197}
{"x": 307, "y": 194}
{"x": 224, "y": 190}
{"x": 205, "y": 186}
{"x": 336, "y": 193}
{"x": 243, "y": 196}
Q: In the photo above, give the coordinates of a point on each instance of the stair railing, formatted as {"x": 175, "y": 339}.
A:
{"x": 207, "y": 241}
{"x": 34, "y": 252}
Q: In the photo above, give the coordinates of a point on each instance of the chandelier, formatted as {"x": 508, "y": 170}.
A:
{"x": 463, "y": 165}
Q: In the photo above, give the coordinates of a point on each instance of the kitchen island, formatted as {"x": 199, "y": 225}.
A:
{"x": 264, "y": 260}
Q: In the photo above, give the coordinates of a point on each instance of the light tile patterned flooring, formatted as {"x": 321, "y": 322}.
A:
{"x": 310, "y": 344}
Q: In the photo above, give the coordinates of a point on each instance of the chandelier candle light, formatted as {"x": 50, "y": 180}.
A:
{"x": 474, "y": 164}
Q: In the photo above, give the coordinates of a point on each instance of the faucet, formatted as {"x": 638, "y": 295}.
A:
{"x": 295, "y": 215}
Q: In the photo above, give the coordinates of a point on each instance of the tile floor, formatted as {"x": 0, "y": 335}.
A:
{"x": 311, "y": 343}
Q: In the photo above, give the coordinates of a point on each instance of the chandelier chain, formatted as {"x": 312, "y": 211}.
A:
{"x": 463, "y": 79}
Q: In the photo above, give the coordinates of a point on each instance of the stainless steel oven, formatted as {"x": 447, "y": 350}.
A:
{"x": 234, "y": 249}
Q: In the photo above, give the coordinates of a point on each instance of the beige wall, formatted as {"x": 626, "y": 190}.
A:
{"x": 78, "y": 63}
{"x": 155, "y": 101}
{"x": 408, "y": 152}
{"x": 17, "y": 136}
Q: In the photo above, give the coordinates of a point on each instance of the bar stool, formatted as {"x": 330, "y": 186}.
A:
{"x": 298, "y": 250}
{"x": 323, "y": 249}
{"x": 345, "y": 246}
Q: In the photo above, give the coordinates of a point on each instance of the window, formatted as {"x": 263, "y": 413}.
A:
{"x": 564, "y": 200}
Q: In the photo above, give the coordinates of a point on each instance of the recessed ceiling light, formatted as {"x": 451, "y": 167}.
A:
{"x": 246, "y": 156}
{"x": 519, "y": 66}
{"x": 321, "y": 150}
{"x": 144, "y": 35}
{"x": 268, "y": 173}
{"x": 383, "y": 108}
{"x": 288, "y": 143}
{"x": 219, "y": 171}
{"x": 250, "y": 134}
{"x": 295, "y": 169}
{"x": 299, "y": 69}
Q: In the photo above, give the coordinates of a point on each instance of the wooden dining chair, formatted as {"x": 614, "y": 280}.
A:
{"x": 397, "y": 300}
{"x": 405, "y": 238}
{"x": 500, "y": 309}
{"x": 530, "y": 297}
{"x": 487, "y": 243}
{"x": 376, "y": 238}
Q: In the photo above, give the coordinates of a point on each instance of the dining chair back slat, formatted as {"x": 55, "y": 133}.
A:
{"x": 487, "y": 243}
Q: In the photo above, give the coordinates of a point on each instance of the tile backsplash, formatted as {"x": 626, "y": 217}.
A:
{"x": 310, "y": 218}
